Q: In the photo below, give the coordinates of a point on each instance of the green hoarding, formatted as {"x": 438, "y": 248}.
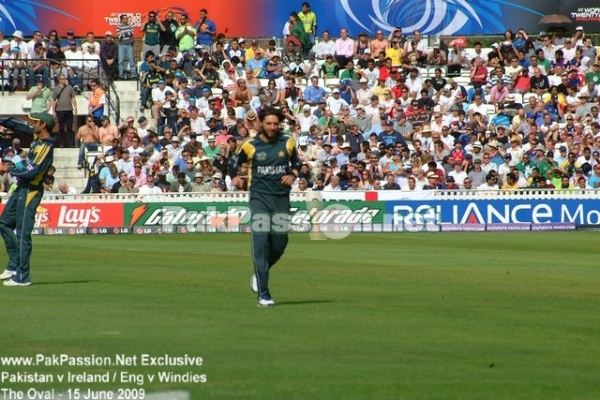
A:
{"x": 236, "y": 217}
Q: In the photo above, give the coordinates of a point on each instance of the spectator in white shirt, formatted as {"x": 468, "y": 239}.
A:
{"x": 335, "y": 102}
{"x": 324, "y": 46}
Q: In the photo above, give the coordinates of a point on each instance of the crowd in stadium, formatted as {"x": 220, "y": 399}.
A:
{"x": 385, "y": 113}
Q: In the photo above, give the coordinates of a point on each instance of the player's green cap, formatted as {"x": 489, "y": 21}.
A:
{"x": 44, "y": 117}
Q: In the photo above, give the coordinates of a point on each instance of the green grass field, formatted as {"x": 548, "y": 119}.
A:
{"x": 374, "y": 316}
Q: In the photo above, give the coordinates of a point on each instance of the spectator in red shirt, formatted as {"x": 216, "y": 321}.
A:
{"x": 479, "y": 72}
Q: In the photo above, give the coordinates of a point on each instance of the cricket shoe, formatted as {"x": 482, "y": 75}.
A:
{"x": 7, "y": 275}
{"x": 265, "y": 302}
{"x": 254, "y": 284}
{"x": 10, "y": 282}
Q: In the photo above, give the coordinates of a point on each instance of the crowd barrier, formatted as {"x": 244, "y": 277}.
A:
{"x": 384, "y": 211}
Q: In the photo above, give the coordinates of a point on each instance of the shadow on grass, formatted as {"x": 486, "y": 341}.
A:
{"x": 61, "y": 283}
{"x": 302, "y": 302}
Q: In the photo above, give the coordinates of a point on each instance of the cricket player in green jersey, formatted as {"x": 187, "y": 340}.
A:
{"x": 19, "y": 212}
{"x": 273, "y": 167}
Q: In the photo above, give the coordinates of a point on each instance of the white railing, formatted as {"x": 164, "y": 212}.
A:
{"x": 236, "y": 197}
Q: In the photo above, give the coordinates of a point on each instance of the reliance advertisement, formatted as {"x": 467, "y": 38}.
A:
{"x": 266, "y": 18}
{"x": 581, "y": 212}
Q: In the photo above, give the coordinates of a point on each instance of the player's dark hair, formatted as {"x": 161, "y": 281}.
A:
{"x": 270, "y": 111}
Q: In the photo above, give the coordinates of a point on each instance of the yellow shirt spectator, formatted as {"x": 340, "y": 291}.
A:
{"x": 396, "y": 53}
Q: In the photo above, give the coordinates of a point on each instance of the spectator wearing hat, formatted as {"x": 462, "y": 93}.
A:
{"x": 578, "y": 37}
{"x": 161, "y": 95}
{"x": 364, "y": 93}
{"x": 306, "y": 119}
{"x": 15, "y": 67}
{"x": 217, "y": 184}
{"x": 362, "y": 120}
{"x": 325, "y": 154}
{"x": 174, "y": 148}
{"x": 74, "y": 62}
{"x": 212, "y": 149}
{"x": 335, "y": 102}
{"x": 476, "y": 174}
{"x": 389, "y": 136}
{"x": 362, "y": 49}
{"x": 343, "y": 158}
{"x": 19, "y": 43}
{"x": 346, "y": 91}
{"x": 109, "y": 176}
{"x": 65, "y": 44}
{"x": 109, "y": 52}
{"x": 433, "y": 182}
{"x": 251, "y": 54}
{"x": 186, "y": 64}
{"x": 457, "y": 56}
{"x": 526, "y": 165}
{"x": 91, "y": 61}
{"x": 199, "y": 185}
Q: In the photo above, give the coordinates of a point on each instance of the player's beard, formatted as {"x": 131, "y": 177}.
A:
{"x": 270, "y": 137}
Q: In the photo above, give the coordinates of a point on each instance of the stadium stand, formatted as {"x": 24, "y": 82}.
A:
{"x": 499, "y": 117}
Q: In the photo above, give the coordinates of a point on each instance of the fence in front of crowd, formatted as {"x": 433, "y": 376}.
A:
{"x": 336, "y": 212}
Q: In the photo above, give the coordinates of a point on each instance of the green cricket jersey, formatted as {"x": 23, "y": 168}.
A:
{"x": 152, "y": 34}
{"x": 268, "y": 163}
{"x": 40, "y": 157}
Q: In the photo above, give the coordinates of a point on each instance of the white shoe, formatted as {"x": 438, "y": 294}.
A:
{"x": 10, "y": 282}
{"x": 265, "y": 302}
{"x": 254, "y": 284}
{"x": 7, "y": 275}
